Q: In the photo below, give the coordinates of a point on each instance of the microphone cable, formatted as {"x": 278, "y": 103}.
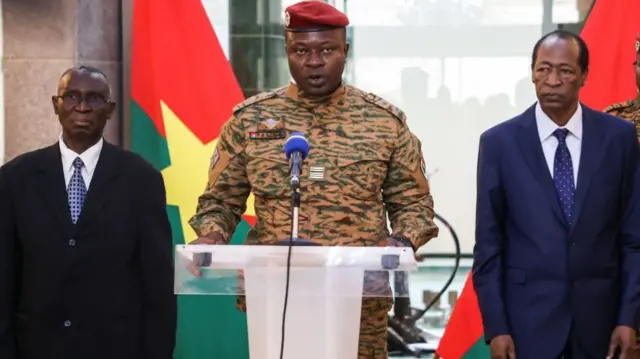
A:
{"x": 288, "y": 275}
{"x": 419, "y": 314}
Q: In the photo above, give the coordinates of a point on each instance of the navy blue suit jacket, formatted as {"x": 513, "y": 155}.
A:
{"x": 533, "y": 274}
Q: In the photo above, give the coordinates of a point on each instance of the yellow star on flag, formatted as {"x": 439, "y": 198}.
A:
{"x": 186, "y": 177}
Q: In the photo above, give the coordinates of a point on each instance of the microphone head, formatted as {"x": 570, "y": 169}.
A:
{"x": 296, "y": 142}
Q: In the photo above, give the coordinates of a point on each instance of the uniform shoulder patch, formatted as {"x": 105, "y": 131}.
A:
{"x": 619, "y": 106}
{"x": 257, "y": 98}
{"x": 385, "y": 105}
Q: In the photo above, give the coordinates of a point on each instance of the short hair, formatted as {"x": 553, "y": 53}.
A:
{"x": 89, "y": 69}
{"x": 583, "y": 55}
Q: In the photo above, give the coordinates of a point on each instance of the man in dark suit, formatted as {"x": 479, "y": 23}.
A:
{"x": 85, "y": 243}
{"x": 557, "y": 256}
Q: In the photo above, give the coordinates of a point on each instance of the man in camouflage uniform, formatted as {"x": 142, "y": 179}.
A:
{"x": 364, "y": 162}
{"x": 630, "y": 110}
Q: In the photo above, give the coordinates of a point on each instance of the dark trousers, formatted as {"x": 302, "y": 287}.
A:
{"x": 570, "y": 347}
{"x": 573, "y": 349}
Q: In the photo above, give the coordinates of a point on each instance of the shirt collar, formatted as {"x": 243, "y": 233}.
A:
{"x": 89, "y": 157}
{"x": 546, "y": 126}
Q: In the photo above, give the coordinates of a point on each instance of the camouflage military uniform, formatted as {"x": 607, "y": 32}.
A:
{"x": 628, "y": 110}
{"x": 364, "y": 163}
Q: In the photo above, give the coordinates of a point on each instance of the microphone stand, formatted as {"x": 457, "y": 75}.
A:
{"x": 294, "y": 240}
{"x": 295, "y": 211}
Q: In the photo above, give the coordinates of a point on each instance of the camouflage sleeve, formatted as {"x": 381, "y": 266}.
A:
{"x": 406, "y": 192}
{"x": 617, "y": 108}
{"x": 223, "y": 202}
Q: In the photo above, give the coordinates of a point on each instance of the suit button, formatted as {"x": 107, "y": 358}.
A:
{"x": 72, "y": 242}
{"x": 67, "y": 323}
{"x": 573, "y": 244}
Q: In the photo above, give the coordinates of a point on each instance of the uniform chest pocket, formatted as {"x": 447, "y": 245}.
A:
{"x": 267, "y": 169}
{"x": 362, "y": 178}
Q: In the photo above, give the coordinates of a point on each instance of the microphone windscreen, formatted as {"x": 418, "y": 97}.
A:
{"x": 296, "y": 142}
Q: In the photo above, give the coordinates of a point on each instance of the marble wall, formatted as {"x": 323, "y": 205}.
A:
{"x": 42, "y": 38}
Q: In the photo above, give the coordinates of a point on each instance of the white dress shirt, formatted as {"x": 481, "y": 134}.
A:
{"x": 89, "y": 158}
{"x": 546, "y": 127}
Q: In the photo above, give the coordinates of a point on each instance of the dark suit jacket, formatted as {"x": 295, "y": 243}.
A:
{"x": 102, "y": 289}
{"x": 534, "y": 276}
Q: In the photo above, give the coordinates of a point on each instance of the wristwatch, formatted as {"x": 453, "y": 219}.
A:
{"x": 404, "y": 241}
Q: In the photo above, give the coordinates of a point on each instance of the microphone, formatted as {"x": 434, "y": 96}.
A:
{"x": 296, "y": 148}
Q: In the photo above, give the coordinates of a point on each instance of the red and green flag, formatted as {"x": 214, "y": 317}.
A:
{"x": 183, "y": 89}
{"x": 611, "y": 79}
{"x": 610, "y": 33}
{"x": 463, "y": 336}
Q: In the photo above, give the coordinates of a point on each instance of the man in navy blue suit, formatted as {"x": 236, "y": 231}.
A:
{"x": 557, "y": 256}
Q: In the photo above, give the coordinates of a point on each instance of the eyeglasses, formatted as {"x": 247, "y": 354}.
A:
{"x": 91, "y": 99}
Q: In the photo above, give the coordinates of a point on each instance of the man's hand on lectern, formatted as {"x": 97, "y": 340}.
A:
{"x": 210, "y": 239}
{"x": 396, "y": 241}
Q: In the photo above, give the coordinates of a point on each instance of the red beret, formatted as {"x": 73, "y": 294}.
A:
{"x": 307, "y": 16}
{"x": 637, "y": 43}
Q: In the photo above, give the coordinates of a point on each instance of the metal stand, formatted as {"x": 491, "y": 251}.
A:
{"x": 295, "y": 201}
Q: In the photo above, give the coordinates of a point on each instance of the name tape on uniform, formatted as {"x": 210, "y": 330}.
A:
{"x": 268, "y": 135}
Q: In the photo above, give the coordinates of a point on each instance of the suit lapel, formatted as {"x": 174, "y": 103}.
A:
{"x": 590, "y": 158}
{"x": 529, "y": 141}
{"x": 97, "y": 197}
{"x": 51, "y": 184}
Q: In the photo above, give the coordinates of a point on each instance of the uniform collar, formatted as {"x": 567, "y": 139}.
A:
{"x": 296, "y": 94}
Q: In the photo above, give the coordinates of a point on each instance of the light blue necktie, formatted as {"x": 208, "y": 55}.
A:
{"x": 563, "y": 175}
{"x": 77, "y": 190}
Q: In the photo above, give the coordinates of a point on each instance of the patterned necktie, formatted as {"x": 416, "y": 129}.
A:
{"x": 563, "y": 174}
{"x": 77, "y": 190}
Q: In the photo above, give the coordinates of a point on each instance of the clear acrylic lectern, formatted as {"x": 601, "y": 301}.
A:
{"x": 326, "y": 287}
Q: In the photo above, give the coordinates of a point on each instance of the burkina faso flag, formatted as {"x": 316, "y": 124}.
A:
{"x": 609, "y": 32}
{"x": 183, "y": 89}
{"x": 463, "y": 337}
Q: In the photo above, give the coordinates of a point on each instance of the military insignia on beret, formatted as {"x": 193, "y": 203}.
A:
{"x": 287, "y": 19}
{"x": 215, "y": 158}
